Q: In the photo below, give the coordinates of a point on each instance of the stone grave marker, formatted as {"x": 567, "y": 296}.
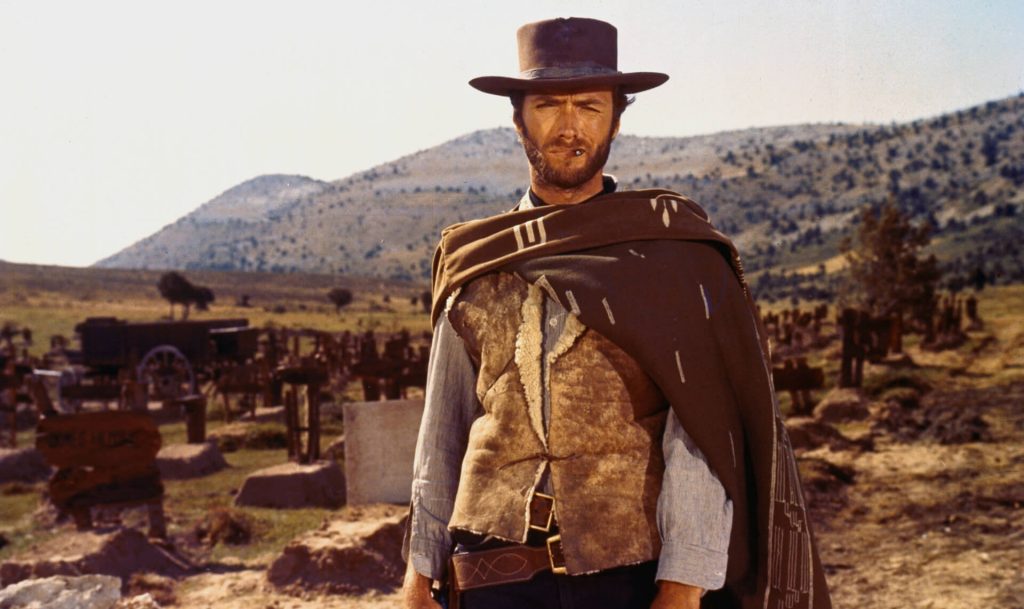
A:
{"x": 380, "y": 443}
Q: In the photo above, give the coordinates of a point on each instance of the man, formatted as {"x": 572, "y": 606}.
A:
{"x": 600, "y": 429}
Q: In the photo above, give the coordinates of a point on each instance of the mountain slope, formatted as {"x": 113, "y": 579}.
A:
{"x": 786, "y": 194}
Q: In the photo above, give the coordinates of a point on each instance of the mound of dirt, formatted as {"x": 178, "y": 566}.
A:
{"x": 806, "y": 433}
{"x": 825, "y": 486}
{"x": 244, "y": 434}
{"x": 118, "y": 553}
{"x": 343, "y": 557}
{"x": 842, "y": 404}
{"x": 941, "y": 417}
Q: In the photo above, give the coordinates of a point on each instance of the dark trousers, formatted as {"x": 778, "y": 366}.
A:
{"x": 631, "y": 587}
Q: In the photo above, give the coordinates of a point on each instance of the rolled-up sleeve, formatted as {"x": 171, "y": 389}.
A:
{"x": 450, "y": 407}
{"x": 694, "y": 515}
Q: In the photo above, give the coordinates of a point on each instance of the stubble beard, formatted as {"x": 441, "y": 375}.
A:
{"x": 564, "y": 177}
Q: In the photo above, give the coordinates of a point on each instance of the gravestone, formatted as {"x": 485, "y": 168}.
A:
{"x": 380, "y": 443}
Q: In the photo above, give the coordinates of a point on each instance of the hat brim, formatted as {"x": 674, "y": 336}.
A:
{"x": 629, "y": 82}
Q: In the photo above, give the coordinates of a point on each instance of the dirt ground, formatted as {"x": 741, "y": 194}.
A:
{"x": 931, "y": 517}
{"x": 922, "y": 508}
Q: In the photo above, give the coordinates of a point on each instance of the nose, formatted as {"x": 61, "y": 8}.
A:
{"x": 567, "y": 127}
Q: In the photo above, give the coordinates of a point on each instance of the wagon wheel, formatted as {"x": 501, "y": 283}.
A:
{"x": 167, "y": 373}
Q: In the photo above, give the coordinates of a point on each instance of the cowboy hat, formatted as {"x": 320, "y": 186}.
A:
{"x": 565, "y": 54}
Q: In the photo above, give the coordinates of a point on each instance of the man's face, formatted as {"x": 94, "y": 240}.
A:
{"x": 567, "y": 136}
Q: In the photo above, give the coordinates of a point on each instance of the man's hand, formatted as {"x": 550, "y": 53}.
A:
{"x": 416, "y": 591}
{"x": 672, "y": 595}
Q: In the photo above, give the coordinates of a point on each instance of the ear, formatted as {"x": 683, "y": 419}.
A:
{"x": 615, "y": 131}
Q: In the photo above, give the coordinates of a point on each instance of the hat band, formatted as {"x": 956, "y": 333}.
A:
{"x": 568, "y": 72}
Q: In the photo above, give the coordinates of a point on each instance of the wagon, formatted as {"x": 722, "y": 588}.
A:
{"x": 167, "y": 358}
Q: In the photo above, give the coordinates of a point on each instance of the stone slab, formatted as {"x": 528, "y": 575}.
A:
{"x": 292, "y": 485}
{"x": 179, "y": 461}
{"x": 380, "y": 444}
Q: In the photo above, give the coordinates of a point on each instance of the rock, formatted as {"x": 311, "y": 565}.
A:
{"x": 842, "y": 404}
{"x": 336, "y": 449}
{"x": 117, "y": 553}
{"x": 63, "y": 592}
{"x": 179, "y": 461}
{"x": 293, "y": 485}
{"x": 22, "y": 465}
{"x": 343, "y": 558}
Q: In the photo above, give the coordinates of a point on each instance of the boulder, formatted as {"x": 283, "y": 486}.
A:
{"x": 63, "y": 592}
{"x": 343, "y": 558}
{"x": 179, "y": 461}
{"x": 22, "y": 465}
{"x": 842, "y": 404}
{"x": 117, "y": 553}
{"x": 293, "y": 485}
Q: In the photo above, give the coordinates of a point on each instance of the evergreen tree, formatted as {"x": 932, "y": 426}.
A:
{"x": 889, "y": 275}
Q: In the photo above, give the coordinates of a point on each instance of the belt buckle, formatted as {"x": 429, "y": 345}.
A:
{"x": 551, "y": 512}
{"x": 555, "y": 556}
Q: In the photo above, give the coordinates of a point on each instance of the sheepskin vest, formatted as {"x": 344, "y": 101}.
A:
{"x": 603, "y": 442}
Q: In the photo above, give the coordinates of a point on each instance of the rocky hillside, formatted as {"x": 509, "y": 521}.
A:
{"x": 786, "y": 194}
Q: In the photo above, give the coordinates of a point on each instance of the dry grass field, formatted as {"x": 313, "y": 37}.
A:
{"x": 919, "y": 520}
{"x": 51, "y": 300}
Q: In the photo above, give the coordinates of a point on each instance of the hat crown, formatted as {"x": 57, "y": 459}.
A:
{"x": 568, "y": 43}
{"x": 567, "y": 54}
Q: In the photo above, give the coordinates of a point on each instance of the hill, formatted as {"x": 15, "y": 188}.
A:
{"x": 786, "y": 194}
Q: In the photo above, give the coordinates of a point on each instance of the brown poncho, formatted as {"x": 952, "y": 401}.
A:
{"x": 629, "y": 265}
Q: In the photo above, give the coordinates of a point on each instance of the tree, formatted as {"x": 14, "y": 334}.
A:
{"x": 178, "y": 290}
{"x": 889, "y": 276}
{"x": 339, "y": 297}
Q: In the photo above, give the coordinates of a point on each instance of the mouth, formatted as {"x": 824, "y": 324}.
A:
{"x": 569, "y": 152}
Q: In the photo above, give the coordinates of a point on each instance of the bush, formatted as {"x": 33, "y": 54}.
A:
{"x": 224, "y": 525}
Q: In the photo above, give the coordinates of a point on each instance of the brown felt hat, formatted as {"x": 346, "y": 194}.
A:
{"x": 565, "y": 54}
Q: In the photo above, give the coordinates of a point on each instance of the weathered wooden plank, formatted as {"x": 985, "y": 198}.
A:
{"x": 98, "y": 439}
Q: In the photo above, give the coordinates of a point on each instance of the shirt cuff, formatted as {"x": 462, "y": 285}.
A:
{"x": 686, "y": 563}
{"x": 429, "y": 558}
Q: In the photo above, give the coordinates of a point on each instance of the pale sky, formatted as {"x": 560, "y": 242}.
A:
{"x": 117, "y": 118}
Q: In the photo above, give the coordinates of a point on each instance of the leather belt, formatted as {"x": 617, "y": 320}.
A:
{"x": 514, "y": 562}
{"x": 506, "y": 565}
